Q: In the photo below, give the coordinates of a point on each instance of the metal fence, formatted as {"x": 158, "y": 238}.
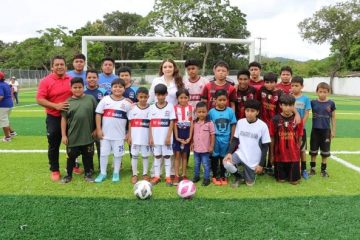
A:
{"x": 26, "y": 78}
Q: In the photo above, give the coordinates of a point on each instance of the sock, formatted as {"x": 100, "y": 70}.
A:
{"x": 303, "y": 165}
{"x": 145, "y": 165}
{"x": 323, "y": 166}
{"x": 134, "y": 161}
{"x": 157, "y": 164}
{"x": 117, "y": 164}
{"x": 167, "y": 167}
{"x": 312, "y": 164}
{"x": 103, "y": 164}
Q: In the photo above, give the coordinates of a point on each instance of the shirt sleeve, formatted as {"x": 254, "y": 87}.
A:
{"x": 42, "y": 92}
{"x": 232, "y": 95}
{"x": 172, "y": 113}
{"x": 237, "y": 128}
{"x": 333, "y": 107}
{"x": 212, "y": 128}
{"x": 271, "y": 128}
{"x": 307, "y": 104}
{"x": 205, "y": 92}
{"x": 232, "y": 116}
{"x": 100, "y": 107}
{"x": 265, "y": 135}
{"x": 151, "y": 98}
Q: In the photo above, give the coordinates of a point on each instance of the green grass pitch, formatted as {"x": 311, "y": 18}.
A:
{"x": 33, "y": 207}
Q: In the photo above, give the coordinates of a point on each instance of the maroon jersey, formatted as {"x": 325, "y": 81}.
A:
{"x": 256, "y": 85}
{"x": 242, "y": 97}
{"x": 269, "y": 104}
{"x": 287, "y": 134}
{"x": 210, "y": 89}
{"x": 286, "y": 88}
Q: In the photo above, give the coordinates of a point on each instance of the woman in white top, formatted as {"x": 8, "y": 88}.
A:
{"x": 168, "y": 75}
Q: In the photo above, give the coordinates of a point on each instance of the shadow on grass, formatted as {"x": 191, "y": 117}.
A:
{"x": 32, "y": 217}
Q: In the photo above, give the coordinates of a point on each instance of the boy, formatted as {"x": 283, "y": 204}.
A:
{"x": 249, "y": 146}
{"x": 323, "y": 127}
{"x": 224, "y": 121}
{"x": 244, "y": 92}
{"x": 162, "y": 116}
{"x": 303, "y": 107}
{"x": 138, "y": 133}
{"x": 78, "y": 128}
{"x": 285, "y": 145}
{"x": 107, "y": 76}
{"x": 255, "y": 75}
{"x": 111, "y": 122}
{"x": 130, "y": 90}
{"x": 285, "y": 77}
{"x": 194, "y": 83}
{"x": 6, "y": 104}
{"x": 78, "y": 64}
{"x": 221, "y": 70}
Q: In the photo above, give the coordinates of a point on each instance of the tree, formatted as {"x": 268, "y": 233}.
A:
{"x": 338, "y": 24}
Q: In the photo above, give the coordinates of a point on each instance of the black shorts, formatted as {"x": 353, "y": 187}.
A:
{"x": 320, "y": 138}
{"x": 287, "y": 171}
{"x": 303, "y": 146}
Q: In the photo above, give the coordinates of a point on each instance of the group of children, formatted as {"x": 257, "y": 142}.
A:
{"x": 252, "y": 127}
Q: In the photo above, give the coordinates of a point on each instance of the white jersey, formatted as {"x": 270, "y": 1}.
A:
{"x": 195, "y": 89}
{"x": 114, "y": 117}
{"x": 160, "y": 121}
{"x": 171, "y": 90}
{"x": 139, "y": 123}
{"x": 250, "y": 136}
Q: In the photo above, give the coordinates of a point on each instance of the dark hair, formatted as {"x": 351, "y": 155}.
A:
{"x": 178, "y": 79}
{"x": 220, "y": 92}
{"x": 253, "y": 104}
{"x": 323, "y": 85}
{"x": 79, "y": 56}
{"x": 192, "y": 62}
{"x": 298, "y": 79}
{"x": 254, "y": 64}
{"x": 201, "y": 104}
{"x": 92, "y": 71}
{"x": 286, "y": 69}
{"x": 243, "y": 72}
{"x": 221, "y": 63}
{"x": 142, "y": 90}
{"x": 57, "y": 57}
{"x": 182, "y": 91}
{"x": 77, "y": 80}
{"x": 107, "y": 59}
{"x": 287, "y": 99}
{"x": 270, "y": 77}
{"x": 118, "y": 81}
{"x": 160, "y": 89}
{"x": 124, "y": 69}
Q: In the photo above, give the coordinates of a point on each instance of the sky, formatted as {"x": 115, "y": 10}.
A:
{"x": 274, "y": 20}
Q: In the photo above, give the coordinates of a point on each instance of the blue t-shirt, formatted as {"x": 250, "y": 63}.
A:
{"x": 302, "y": 104}
{"x": 322, "y": 112}
{"x": 97, "y": 93}
{"x": 5, "y": 92}
{"x": 105, "y": 81}
{"x": 130, "y": 93}
{"x": 222, "y": 119}
{"x": 73, "y": 74}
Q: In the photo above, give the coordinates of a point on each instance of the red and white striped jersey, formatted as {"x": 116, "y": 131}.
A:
{"x": 139, "y": 124}
{"x": 160, "y": 119}
{"x": 195, "y": 89}
{"x": 184, "y": 115}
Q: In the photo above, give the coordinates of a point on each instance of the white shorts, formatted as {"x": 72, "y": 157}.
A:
{"x": 116, "y": 146}
{"x": 144, "y": 149}
{"x": 4, "y": 117}
{"x": 163, "y": 150}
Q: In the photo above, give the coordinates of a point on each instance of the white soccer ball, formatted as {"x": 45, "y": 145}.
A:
{"x": 143, "y": 190}
{"x": 186, "y": 189}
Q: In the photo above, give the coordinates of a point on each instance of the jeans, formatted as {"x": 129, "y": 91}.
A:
{"x": 202, "y": 158}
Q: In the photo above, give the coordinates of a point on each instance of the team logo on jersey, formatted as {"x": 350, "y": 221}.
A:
{"x": 222, "y": 124}
{"x": 140, "y": 123}
{"x": 160, "y": 122}
{"x": 114, "y": 113}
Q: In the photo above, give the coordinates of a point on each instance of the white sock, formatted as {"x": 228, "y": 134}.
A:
{"x": 103, "y": 164}
{"x": 145, "y": 165}
{"x": 157, "y": 163}
{"x": 134, "y": 161}
{"x": 117, "y": 163}
{"x": 167, "y": 167}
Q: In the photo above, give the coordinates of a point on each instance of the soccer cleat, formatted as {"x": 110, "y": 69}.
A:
{"x": 146, "y": 177}
{"x": 155, "y": 180}
{"x": 324, "y": 173}
{"x": 13, "y": 134}
{"x": 77, "y": 170}
{"x": 250, "y": 184}
{"x": 88, "y": 177}
{"x": 134, "y": 179}
{"x": 196, "y": 179}
{"x": 224, "y": 181}
{"x": 304, "y": 174}
{"x": 116, "y": 177}
{"x": 176, "y": 180}
{"x": 100, "y": 178}
{"x": 168, "y": 181}
{"x": 312, "y": 171}
{"x": 66, "y": 179}
{"x": 6, "y": 139}
{"x": 217, "y": 182}
{"x": 205, "y": 182}
{"x": 55, "y": 176}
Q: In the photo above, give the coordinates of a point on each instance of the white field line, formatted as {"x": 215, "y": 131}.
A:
{"x": 28, "y": 105}
{"x": 345, "y": 163}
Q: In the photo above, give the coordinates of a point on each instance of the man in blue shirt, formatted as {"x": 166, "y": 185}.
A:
{"x": 78, "y": 64}
{"x": 6, "y": 103}
{"x": 107, "y": 76}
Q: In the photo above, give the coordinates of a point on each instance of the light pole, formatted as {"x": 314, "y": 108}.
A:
{"x": 260, "y": 39}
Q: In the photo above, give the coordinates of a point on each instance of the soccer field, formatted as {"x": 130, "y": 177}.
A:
{"x": 33, "y": 207}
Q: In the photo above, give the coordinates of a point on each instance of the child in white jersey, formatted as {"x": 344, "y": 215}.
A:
{"x": 138, "y": 135}
{"x": 162, "y": 116}
{"x": 111, "y": 120}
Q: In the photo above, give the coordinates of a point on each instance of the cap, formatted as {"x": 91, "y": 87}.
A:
{"x": 2, "y": 75}
{"x": 13, "y": 77}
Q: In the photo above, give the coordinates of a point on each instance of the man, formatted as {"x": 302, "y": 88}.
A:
{"x": 15, "y": 89}
{"x": 107, "y": 75}
{"x": 78, "y": 64}
{"x": 52, "y": 94}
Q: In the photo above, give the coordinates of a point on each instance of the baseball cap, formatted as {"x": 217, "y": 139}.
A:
{"x": 2, "y": 75}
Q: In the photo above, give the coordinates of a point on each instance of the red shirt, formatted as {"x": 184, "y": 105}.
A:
{"x": 256, "y": 85}
{"x": 242, "y": 97}
{"x": 286, "y": 133}
{"x": 54, "y": 89}
{"x": 269, "y": 104}
{"x": 212, "y": 87}
{"x": 286, "y": 88}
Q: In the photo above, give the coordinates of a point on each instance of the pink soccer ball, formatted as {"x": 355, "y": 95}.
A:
{"x": 186, "y": 189}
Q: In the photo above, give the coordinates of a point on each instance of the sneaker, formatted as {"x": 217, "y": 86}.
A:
{"x": 168, "y": 181}
{"x": 205, "y": 182}
{"x": 55, "y": 176}
{"x": 196, "y": 179}
{"x": 172, "y": 177}
{"x": 269, "y": 171}
{"x": 13, "y": 134}
{"x": 217, "y": 181}
{"x": 134, "y": 179}
{"x": 250, "y": 184}
{"x": 6, "y": 139}
{"x": 236, "y": 183}
{"x": 66, "y": 179}
{"x": 312, "y": 171}
{"x": 100, "y": 178}
{"x": 155, "y": 180}
{"x": 324, "y": 173}
{"x": 88, "y": 177}
{"x": 116, "y": 177}
{"x": 77, "y": 170}
{"x": 146, "y": 177}
{"x": 224, "y": 181}
{"x": 176, "y": 180}
{"x": 305, "y": 175}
